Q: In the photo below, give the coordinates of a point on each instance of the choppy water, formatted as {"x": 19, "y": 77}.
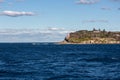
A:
{"x": 27, "y": 61}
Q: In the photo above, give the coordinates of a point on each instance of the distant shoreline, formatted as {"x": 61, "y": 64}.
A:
{"x": 62, "y": 42}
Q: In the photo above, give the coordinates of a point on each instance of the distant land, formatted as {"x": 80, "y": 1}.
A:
{"x": 92, "y": 37}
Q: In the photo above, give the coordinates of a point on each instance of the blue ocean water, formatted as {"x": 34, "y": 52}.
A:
{"x": 48, "y": 61}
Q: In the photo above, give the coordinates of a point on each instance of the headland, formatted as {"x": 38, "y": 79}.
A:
{"x": 92, "y": 37}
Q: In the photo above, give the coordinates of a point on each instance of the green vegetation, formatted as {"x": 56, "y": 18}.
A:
{"x": 94, "y": 36}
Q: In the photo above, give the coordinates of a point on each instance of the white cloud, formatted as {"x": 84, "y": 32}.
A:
{"x": 106, "y": 8}
{"x": 1, "y": 1}
{"x": 19, "y": 0}
{"x": 116, "y": 0}
{"x": 94, "y": 21}
{"x": 55, "y": 29}
{"x": 16, "y": 13}
{"x": 87, "y": 1}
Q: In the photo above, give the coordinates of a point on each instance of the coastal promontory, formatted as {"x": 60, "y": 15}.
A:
{"x": 92, "y": 37}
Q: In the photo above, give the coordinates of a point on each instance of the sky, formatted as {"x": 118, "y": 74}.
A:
{"x": 51, "y": 20}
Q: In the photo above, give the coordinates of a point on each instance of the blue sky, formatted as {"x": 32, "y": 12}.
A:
{"x": 58, "y": 17}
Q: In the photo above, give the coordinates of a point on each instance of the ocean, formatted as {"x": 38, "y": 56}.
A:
{"x": 49, "y": 61}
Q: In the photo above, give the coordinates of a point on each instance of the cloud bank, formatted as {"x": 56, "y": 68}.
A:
{"x": 16, "y": 13}
{"x": 33, "y": 35}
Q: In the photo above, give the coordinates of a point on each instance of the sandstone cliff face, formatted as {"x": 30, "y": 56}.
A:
{"x": 91, "y": 37}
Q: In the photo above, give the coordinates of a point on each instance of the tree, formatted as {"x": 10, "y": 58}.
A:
{"x": 104, "y": 30}
{"x": 94, "y": 29}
